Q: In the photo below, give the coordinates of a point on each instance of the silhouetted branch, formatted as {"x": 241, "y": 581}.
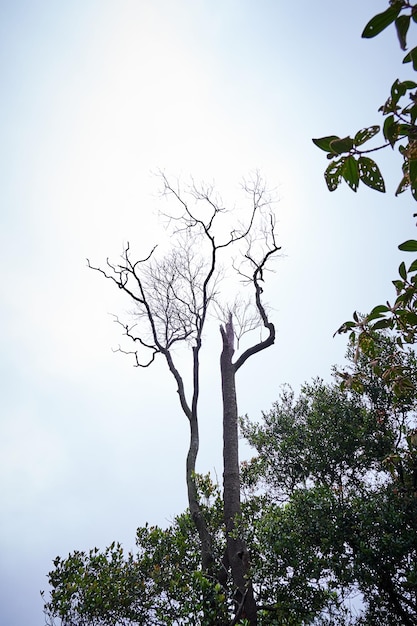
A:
{"x": 255, "y": 279}
{"x": 173, "y": 294}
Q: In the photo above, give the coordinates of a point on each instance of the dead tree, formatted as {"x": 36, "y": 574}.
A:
{"x": 173, "y": 294}
{"x": 237, "y": 557}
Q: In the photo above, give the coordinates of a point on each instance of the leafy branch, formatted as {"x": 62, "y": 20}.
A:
{"x": 348, "y": 160}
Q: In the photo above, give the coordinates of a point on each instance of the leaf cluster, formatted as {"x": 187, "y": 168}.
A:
{"x": 349, "y": 162}
{"x": 399, "y": 319}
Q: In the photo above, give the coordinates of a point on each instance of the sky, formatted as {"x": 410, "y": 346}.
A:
{"x": 97, "y": 96}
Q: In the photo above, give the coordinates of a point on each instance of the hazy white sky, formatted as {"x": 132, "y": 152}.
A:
{"x": 96, "y": 96}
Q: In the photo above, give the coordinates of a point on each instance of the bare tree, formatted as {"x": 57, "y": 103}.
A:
{"x": 174, "y": 294}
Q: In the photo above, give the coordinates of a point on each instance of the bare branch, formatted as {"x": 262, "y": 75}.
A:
{"x": 128, "y": 333}
{"x": 174, "y": 293}
{"x": 257, "y": 277}
{"x": 135, "y": 354}
{"x": 245, "y": 315}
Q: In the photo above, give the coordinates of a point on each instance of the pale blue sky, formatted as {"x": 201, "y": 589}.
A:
{"x": 96, "y": 96}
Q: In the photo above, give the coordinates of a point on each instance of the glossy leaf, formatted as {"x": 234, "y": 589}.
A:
{"x": 409, "y": 84}
{"x": 324, "y": 142}
{"x": 390, "y": 130}
{"x": 411, "y": 56}
{"x": 382, "y": 324}
{"x": 379, "y": 22}
{"x": 377, "y": 312}
{"x": 402, "y": 24}
{"x": 398, "y": 284}
{"x": 402, "y": 271}
{"x": 397, "y": 91}
{"x": 341, "y": 145}
{"x": 370, "y": 175}
{"x": 408, "y": 246}
{"x": 365, "y": 134}
{"x": 350, "y": 172}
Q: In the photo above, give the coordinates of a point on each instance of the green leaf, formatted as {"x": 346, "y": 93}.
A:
{"x": 379, "y": 22}
{"x": 402, "y": 271}
{"x": 409, "y": 84}
{"x": 402, "y": 24}
{"x": 408, "y": 246}
{"x": 411, "y": 56}
{"x": 341, "y": 145}
{"x": 404, "y": 299}
{"x": 333, "y": 174}
{"x": 410, "y": 318}
{"x": 324, "y": 142}
{"x": 370, "y": 175}
{"x": 413, "y": 266}
{"x": 365, "y": 134}
{"x": 350, "y": 173}
{"x": 381, "y": 324}
{"x": 397, "y": 90}
{"x": 390, "y": 130}
{"x": 377, "y": 312}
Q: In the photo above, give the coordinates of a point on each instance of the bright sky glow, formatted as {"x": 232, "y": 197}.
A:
{"x": 98, "y": 95}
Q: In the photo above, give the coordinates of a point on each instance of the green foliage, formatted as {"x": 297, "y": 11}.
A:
{"x": 399, "y": 317}
{"x": 160, "y": 583}
{"x": 348, "y": 162}
{"x": 330, "y": 511}
{"x": 316, "y": 439}
{"x": 373, "y": 536}
{"x": 378, "y": 23}
{"x": 340, "y": 471}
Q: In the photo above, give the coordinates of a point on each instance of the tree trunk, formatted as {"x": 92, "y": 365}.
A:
{"x": 207, "y": 560}
{"x": 197, "y": 516}
{"x": 237, "y": 557}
